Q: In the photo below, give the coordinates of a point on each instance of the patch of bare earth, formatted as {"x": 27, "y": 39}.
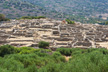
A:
{"x": 67, "y": 58}
{"x": 103, "y": 44}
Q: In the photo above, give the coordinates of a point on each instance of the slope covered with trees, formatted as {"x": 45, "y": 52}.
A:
{"x": 85, "y": 11}
{"x": 19, "y": 8}
{"x": 84, "y": 7}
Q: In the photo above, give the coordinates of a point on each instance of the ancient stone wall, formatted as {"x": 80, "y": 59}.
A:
{"x": 58, "y": 34}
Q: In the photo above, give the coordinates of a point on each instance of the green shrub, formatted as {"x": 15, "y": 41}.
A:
{"x": 39, "y": 17}
{"x": 43, "y": 44}
{"x": 3, "y": 18}
{"x": 27, "y": 50}
{"x": 27, "y": 59}
{"x": 51, "y": 67}
{"x": 56, "y": 54}
{"x": 7, "y": 49}
{"x": 45, "y": 50}
{"x": 71, "y": 51}
{"x": 32, "y": 17}
{"x": 77, "y": 51}
{"x": 106, "y": 23}
{"x": 26, "y": 17}
{"x": 41, "y": 54}
{"x": 65, "y": 51}
{"x": 12, "y": 65}
{"x": 70, "y": 22}
{"x": 32, "y": 68}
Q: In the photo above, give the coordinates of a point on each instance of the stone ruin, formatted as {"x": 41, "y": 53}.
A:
{"x": 58, "y": 34}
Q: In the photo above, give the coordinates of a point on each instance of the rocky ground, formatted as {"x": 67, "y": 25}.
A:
{"x": 57, "y": 33}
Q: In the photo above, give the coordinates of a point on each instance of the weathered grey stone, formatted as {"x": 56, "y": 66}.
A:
{"x": 55, "y": 32}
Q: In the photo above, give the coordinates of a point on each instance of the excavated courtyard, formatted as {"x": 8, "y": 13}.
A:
{"x": 58, "y": 34}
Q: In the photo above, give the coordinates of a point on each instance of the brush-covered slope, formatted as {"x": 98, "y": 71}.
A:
{"x": 18, "y": 8}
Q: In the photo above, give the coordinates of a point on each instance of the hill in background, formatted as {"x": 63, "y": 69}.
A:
{"x": 85, "y": 11}
{"x": 19, "y": 8}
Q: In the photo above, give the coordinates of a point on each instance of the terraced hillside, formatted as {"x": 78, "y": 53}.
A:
{"x": 57, "y": 33}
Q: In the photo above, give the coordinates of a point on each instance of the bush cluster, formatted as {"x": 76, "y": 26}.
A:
{"x": 70, "y": 22}
{"x": 43, "y": 44}
{"x": 3, "y": 18}
{"x": 32, "y": 17}
{"x": 70, "y": 51}
{"x": 27, "y": 59}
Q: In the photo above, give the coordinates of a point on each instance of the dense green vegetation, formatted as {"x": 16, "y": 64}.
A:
{"x": 27, "y": 59}
{"x": 3, "y": 18}
{"x": 106, "y": 23}
{"x": 43, "y": 44}
{"x": 32, "y": 17}
{"x": 70, "y": 22}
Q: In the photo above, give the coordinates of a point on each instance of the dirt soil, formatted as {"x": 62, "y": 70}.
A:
{"x": 67, "y": 58}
